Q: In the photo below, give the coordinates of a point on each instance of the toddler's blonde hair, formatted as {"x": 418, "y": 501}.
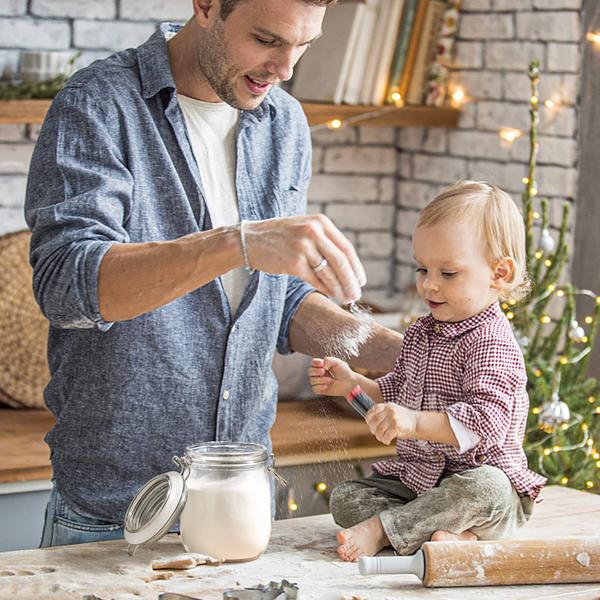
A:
{"x": 498, "y": 220}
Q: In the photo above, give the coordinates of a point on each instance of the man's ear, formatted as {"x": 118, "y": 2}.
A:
{"x": 503, "y": 272}
{"x": 202, "y": 10}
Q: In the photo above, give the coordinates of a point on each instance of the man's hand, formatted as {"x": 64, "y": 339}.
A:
{"x": 299, "y": 245}
{"x": 331, "y": 377}
{"x": 388, "y": 421}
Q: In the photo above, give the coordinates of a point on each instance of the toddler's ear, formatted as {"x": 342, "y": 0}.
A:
{"x": 504, "y": 269}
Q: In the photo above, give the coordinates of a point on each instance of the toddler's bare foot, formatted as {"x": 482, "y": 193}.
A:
{"x": 446, "y": 536}
{"x": 365, "y": 539}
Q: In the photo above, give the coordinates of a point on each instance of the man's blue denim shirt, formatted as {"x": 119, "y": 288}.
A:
{"x": 113, "y": 165}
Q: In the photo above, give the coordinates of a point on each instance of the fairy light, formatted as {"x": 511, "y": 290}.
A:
{"x": 293, "y": 506}
{"x": 536, "y": 214}
{"x": 589, "y": 484}
{"x": 525, "y": 180}
{"x": 584, "y": 427}
{"x": 510, "y": 315}
{"x": 547, "y": 451}
{"x": 551, "y": 287}
{"x": 509, "y": 134}
{"x": 556, "y": 449}
{"x": 597, "y": 410}
{"x": 549, "y": 104}
{"x": 537, "y": 373}
{"x": 321, "y": 487}
{"x": 597, "y": 299}
{"x": 512, "y": 302}
{"x": 504, "y": 306}
{"x": 545, "y": 319}
{"x": 589, "y": 320}
{"x": 458, "y": 96}
{"x": 397, "y": 98}
{"x": 593, "y": 36}
{"x": 596, "y": 455}
{"x": 564, "y": 480}
{"x": 548, "y": 262}
{"x": 534, "y": 100}
{"x": 334, "y": 124}
{"x": 560, "y": 293}
{"x": 590, "y": 443}
{"x": 591, "y": 399}
{"x": 598, "y": 464}
{"x": 534, "y": 191}
{"x": 563, "y": 360}
{"x": 539, "y": 254}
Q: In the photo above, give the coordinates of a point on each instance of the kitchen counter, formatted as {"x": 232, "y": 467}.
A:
{"x": 305, "y": 432}
{"x": 301, "y": 551}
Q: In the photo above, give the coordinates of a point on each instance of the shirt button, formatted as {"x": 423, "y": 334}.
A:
{"x": 437, "y": 328}
{"x": 481, "y": 458}
{"x": 226, "y": 395}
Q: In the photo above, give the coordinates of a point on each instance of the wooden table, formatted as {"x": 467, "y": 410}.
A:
{"x": 305, "y": 432}
{"x": 301, "y": 550}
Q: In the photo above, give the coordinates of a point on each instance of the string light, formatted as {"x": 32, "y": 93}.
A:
{"x": 512, "y": 302}
{"x": 547, "y": 451}
{"x": 551, "y": 287}
{"x": 545, "y": 319}
{"x": 334, "y": 124}
{"x": 563, "y": 360}
{"x": 559, "y": 293}
{"x": 536, "y": 410}
{"x": 537, "y": 373}
{"x": 591, "y": 399}
{"x": 536, "y": 214}
{"x": 539, "y": 254}
{"x": 549, "y": 104}
{"x": 525, "y": 180}
{"x": 397, "y": 98}
{"x": 534, "y": 99}
{"x": 593, "y": 36}
{"x": 321, "y": 487}
{"x": 534, "y": 192}
{"x": 510, "y": 315}
{"x": 509, "y": 134}
{"x": 597, "y": 410}
{"x": 589, "y": 320}
{"x": 458, "y": 96}
{"x": 548, "y": 262}
{"x": 293, "y": 506}
{"x": 564, "y": 480}
{"x": 589, "y": 484}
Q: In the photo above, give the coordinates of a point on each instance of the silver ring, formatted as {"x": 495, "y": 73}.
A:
{"x": 320, "y": 266}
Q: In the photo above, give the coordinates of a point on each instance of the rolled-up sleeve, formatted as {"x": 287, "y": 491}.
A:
{"x": 296, "y": 292}
{"x": 77, "y": 201}
{"x": 491, "y": 377}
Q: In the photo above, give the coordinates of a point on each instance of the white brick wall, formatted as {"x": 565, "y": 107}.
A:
{"x": 371, "y": 181}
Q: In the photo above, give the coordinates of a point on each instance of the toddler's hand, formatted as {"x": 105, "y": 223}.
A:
{"x": 388, "y": 421}
{"x": 331, "y": 377}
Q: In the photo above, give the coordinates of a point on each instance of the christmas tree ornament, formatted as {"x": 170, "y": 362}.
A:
{"x": 553, "y": 413}
{"x": 547, "y": 243}
{"x": 576, "y": 332}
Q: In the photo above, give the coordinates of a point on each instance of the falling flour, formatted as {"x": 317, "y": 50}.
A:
{"x": 345, "y": 341}
{"x": 228, "y": 518}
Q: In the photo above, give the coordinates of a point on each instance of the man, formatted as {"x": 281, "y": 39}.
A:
{"x": 165, "y": 311}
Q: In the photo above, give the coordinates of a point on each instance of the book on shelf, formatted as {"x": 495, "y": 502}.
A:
{"x": 401, "y": 51}
{"x": 439, "y": 71}
{"x": 361, "y": 52}
{"x": 426, "y": 51}
{"x": 382, "y": 52}
{"x": 322, "y": 73}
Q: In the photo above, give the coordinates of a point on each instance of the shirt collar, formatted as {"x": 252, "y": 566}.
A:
{"x": 155, "y": 71}
{"x": 452, "y": 329}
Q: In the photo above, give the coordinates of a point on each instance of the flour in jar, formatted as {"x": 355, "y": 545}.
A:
{"x": 228, "y": 518}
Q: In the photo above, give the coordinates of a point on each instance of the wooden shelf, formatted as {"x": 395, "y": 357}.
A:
{"x": 407, "y": 116}
{"x": 14, "y": 112}
{"x": 34, "y": 111}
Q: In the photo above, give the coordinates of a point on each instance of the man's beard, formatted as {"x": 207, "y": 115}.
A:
{"x": 214, "y": 64}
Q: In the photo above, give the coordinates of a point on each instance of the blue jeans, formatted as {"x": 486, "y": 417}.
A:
{"x": 62, "y": 525}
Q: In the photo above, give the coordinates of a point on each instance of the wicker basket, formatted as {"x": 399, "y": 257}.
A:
{"x": 23, "y": 329}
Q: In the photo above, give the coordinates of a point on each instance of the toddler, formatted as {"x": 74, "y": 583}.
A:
{"x": 456, "y": 401}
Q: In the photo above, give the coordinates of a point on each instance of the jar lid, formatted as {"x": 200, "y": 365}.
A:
{"x": 154, "y": 509}
{"x": 226, "y": 455}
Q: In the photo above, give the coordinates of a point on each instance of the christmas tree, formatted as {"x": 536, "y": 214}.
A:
{"x": 564, "y": 420}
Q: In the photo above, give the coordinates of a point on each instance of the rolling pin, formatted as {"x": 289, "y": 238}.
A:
{"x": 496, "y": 562}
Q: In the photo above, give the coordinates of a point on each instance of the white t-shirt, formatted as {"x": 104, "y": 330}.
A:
{"x": 212, "y": 127}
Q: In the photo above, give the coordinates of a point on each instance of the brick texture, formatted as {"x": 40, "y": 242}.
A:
{"x": 371, "y": 181}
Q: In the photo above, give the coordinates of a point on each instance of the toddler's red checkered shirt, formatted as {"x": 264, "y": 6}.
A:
{"x": 474, "y": 371}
